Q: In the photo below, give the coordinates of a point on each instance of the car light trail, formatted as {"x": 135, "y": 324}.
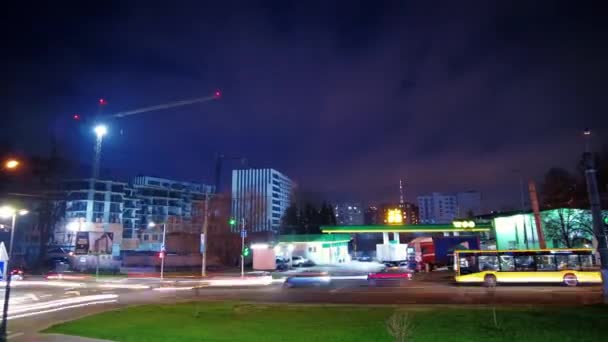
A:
{"x": 62, "y": 308}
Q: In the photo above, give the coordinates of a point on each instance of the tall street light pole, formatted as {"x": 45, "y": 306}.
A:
{"x": 243, "y": 233}
{"x": 162, "y": 249}
{"x": 204, "y": 239}
{"x": 596, "y": 213}
{"x": 6, "y": 212}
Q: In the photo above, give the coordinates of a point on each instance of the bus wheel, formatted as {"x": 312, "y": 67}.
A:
{"x": 570, "y": 280}
{"x": 489, "y": 280}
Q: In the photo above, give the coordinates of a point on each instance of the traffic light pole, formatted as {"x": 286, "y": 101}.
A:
{"x": 162, "y": 250}
{"x": 242, "y": 248}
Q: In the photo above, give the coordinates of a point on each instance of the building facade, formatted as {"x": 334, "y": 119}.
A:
{"x": 126, "y": 209}
{"x": 260, "y": 198}
{"x": 349, "y": 214}
{"x": 445, "y": 207}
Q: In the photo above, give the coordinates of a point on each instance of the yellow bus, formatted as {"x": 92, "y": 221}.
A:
{"x": 570, "y": 267}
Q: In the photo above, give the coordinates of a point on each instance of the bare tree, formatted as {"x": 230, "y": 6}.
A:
{"x": 399, "y": 325}
{"x": 567, "y": 225}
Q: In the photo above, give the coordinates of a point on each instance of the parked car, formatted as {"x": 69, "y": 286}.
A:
{"x": 308, "y": 278}
{"x": 297, "y": 261}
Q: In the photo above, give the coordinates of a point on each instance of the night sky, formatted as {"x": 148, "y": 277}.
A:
{"x": 344, "y": 97}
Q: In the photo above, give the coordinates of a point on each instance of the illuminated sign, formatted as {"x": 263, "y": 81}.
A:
{"x": 464, "y": 224}
{"x": 394, "y": 216}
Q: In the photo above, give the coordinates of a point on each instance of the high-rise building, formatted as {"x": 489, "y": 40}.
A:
{"x": 260, "y": 198}
{"x": 445, "y": 207}
{"x": 370, "y": 216}
{"x": 349, "y": 214}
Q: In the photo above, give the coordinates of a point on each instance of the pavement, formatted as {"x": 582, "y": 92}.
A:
{"x": 36, "y": 305}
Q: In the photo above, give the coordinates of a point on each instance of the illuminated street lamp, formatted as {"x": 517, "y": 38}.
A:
{"x": 152, "y": 224}
{"x": 100, "y": 131}
{"x": 11, "y": 164}
{"x": 12, "y": 213}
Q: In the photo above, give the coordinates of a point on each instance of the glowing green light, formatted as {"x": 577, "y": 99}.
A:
{"x": 232, "y": 222}
{"x": 246, "y": 251}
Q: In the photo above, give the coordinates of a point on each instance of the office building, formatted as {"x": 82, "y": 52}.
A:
{"x": 370, "y": 216}
{"x": 349, "y": 214}
{"x": 260, "y": 198}
{"x": 445, "y": 207}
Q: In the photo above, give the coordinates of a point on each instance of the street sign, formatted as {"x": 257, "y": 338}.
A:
{"x": 202, "y": 243}
{"x": 243, "y": 233}
{"x": 162, "y": 247}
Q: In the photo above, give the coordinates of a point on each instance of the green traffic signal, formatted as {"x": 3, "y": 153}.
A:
{"x": 232, "y": 222}
{"x": 246, "y": 251}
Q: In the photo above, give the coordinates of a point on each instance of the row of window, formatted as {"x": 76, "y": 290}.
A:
{"x": 523, "y": 263}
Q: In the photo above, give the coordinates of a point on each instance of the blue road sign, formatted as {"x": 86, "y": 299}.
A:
{"x": 243, "y": 233}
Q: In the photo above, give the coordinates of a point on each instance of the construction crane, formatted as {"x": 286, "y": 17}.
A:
{"x": 101, "y": 129}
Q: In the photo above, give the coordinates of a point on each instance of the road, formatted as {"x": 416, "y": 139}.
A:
{"x": 34, "y": 307}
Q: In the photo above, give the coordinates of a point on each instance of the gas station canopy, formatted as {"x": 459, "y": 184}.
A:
{"x": 410, "y": 228}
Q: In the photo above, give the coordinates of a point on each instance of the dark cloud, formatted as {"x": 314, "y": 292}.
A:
{"x": 346, "y": 97}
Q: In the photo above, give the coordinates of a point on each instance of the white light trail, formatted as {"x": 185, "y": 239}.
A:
{"x": 62, "y": 308}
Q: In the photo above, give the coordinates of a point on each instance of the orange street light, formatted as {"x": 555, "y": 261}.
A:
{"x": 11, "y": 164}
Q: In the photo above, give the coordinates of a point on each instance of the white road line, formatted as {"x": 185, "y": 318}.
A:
{"x": 17, "y": 334}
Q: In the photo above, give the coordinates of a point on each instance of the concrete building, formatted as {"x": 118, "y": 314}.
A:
{"x": 445, "y": 207}
{"x": 124, "y": 210}
{"x": 349, "y": 214}
{"x": 260, "y": 198}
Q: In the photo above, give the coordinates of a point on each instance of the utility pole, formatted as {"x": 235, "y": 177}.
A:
{"x": 596, "y": 214}
{"x": 243, "y": 233}
{"x": 204, "y": 239}
{"x": 523, "y": 209}
{"x": 162, "y": 251}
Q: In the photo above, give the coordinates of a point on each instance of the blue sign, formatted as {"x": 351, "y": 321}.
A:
{"x": 2, "y": 270}
{"x": 243, "y": 233}
{"x": 202, "y": 243}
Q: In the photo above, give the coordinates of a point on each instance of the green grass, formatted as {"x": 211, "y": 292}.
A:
{"x": 229, "y": 321}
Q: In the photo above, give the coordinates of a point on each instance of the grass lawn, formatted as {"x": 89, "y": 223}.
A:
{"x": 230, "y": 321}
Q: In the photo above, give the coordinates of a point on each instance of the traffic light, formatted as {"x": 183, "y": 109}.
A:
{"x": 246, "y": 251}
{"x": 232, "y": 221}
{"x": 161, "y": 255}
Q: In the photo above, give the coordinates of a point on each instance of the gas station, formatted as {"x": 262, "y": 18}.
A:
{"x": 429, "y": 243}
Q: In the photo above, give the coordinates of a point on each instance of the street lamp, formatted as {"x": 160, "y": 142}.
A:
{"x": 12, "y": 213}
{"x": 152, "y": 224}
{"x": 100, "y": 131}
{"x": 11, "y": 164}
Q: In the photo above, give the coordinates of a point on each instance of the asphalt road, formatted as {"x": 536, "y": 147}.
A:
{"x": 35, "y": 307}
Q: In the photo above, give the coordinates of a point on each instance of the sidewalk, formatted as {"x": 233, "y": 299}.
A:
{"x": 55, "y": 338}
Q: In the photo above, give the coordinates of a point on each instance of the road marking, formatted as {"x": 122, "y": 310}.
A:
{"x": 77, "y": 293}
{"x": 46, "y": 295}
{"x": 17, "y": 334}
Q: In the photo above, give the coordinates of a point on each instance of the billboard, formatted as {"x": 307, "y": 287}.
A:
{"x": 94, "y": 242}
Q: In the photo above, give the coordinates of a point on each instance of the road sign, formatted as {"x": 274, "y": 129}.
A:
{"x": 162, "y": 247}
{"x": 202, "y": 243}
{"x": 243, "y": 233}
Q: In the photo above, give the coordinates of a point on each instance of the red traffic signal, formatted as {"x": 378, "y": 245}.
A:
{"x": 161, "y": 255}
{"x": 76, "y": 116}
{"x": 102, "y": 102}
{"x": 217, "y": 94}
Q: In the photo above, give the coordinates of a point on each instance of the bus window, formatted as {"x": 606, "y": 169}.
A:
{"x": 488, "y": 262}
{"x": 506, "y": 263}
{"x": 468, "y": 264}
{"x": 525, "y": 263}
{"x": 546, "y": 263}
{"x": 587, "y": 261}
{"x": 567, "y": 262}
